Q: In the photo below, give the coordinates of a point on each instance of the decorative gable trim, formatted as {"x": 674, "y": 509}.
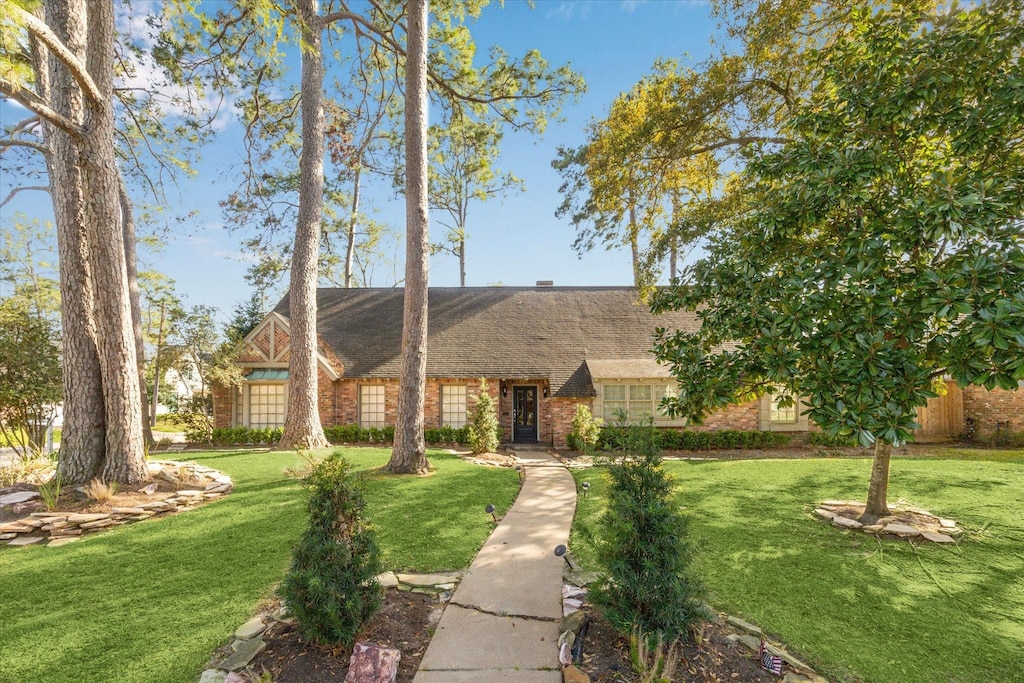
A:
{"x": 268, "y": 346}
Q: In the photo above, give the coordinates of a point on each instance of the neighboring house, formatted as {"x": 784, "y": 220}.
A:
{"x": 542, "y": 350}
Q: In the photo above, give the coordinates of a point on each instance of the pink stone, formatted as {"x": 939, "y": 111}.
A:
{"x": 373, "y": 664}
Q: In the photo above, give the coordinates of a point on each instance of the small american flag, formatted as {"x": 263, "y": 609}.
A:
{"x": 770, "y": 662}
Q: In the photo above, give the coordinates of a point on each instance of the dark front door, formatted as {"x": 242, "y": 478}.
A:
{"x": 524, "y": 414}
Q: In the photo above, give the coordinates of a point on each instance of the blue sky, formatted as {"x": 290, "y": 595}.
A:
{"x": 515, "y": 241}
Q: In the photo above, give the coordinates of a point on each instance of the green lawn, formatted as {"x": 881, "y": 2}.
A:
{"x": 150, "y": 602}
{"x": 855, "y": 608}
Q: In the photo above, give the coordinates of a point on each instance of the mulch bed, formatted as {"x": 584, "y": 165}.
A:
{"x": 403, "y": 623}
{"x": 606, "y": 657}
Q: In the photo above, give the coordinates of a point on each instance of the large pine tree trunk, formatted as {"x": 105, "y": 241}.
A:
{"x": 302, "y": 428}
{"x": 409, "y": 455}
{"x": 125, "y": 451}
{"x": 878, "y": 489}
{"x": 82, "y": 441}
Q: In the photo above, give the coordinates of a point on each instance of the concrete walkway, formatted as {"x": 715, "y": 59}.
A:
{"x": 502, "y": 622}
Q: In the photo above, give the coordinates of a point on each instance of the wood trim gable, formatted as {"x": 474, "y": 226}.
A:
{"x": 264, "y": 347}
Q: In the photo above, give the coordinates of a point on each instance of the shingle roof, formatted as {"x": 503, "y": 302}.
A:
{"x": 505, "y": 332}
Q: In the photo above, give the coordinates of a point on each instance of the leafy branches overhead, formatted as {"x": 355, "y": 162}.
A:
{"x": 657, "y": 173}
{"x": 880, "y": 248}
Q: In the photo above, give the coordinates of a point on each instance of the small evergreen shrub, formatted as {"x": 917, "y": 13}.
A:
{"x": 586, "y": 430}
{"x": 642, "y": 548}
{"x": 443, "y": 436}
{"x": 482, "y": 433}
{"x": 331, "y": 587}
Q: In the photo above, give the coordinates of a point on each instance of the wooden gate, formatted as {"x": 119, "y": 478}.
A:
{"x": 943, "y": 418}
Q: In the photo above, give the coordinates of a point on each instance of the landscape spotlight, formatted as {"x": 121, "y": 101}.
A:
{"x": 563, "y": 552}
{"x": 490, "y": 509}
{"x": 586, "y": 487}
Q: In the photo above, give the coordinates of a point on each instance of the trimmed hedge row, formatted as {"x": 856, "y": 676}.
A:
{"x": 613, "y": 438}
{"x": 245, "y": 436}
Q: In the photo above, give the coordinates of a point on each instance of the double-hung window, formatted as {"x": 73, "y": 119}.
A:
{"x": 453, "y": 405}
{"x": 371, "y": 405}
{"x": 266, "y": 405}
{"x": 636, "y": 401}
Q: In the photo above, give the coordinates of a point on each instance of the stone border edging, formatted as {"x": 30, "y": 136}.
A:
{"x": 60, "y": 528}
{"x": 247, "y": 640}
{"x": 937, "y": 530}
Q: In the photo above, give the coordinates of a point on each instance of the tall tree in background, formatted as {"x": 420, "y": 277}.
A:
{"x": 68, "y": 83}
{"x": 880, "y": 248}
{"x": 409, "y": 455}
{"x": 689, "y": 129}
{"x": 302, "y": 428}
{"x": 462, "y": 156}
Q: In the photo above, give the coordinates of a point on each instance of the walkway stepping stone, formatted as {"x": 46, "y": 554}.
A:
{"x": 373, "y": 664}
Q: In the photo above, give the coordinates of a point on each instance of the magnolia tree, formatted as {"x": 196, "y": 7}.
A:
{"x": 880, "y": 249}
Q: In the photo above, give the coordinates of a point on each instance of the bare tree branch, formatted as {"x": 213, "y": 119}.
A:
{"x": 41, "y": 188}
{"x": 35, "y": 105}
{"x": 77, "y": 69}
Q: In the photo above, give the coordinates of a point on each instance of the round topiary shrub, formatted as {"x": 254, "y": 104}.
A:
{"x": 331, "y": 587}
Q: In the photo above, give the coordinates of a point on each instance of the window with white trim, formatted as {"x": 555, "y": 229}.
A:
{"x": 783, "y": 414}
{"x": 637, "y": 401}
{"x": 453, "y": 405}
{"x": 266, "y": 405}
{"x": 371, "y": 405}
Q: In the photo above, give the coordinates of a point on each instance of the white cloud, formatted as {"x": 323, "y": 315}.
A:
{"x": 630, "y": 5}
{"x": 569, "y": 10}
{"x": 139, "y": 21}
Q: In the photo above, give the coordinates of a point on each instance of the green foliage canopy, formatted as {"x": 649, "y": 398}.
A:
{"x": 880, "y": 248}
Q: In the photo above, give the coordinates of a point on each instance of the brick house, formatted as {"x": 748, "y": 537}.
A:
{"x": 542, "y": 350}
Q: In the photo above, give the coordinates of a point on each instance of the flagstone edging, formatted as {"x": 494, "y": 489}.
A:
{"x": 229, "y": 664}
{"x": 59, "y": 528}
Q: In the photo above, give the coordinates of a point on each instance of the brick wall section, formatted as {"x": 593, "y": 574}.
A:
{"x": 989, "y": 409}
{"x": 223, "y": 406}
{"x": 743, "y": 417}
{"x": 562, "y": 412}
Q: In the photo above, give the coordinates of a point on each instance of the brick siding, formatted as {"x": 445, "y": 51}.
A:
{"x": 992, "y": 409}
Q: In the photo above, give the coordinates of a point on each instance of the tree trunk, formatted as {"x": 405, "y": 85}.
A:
{"x": 878, "y": 489}
{"x": 128, "y": 224}
{"x": 673, "y": 258}
{"x": 82, "y": 441}
{"x": 350, "y": 252}
{"x": 409, "y": 455}
{"x": 156, "y": 367}
{"x": 302, "y": 428}
{"x": 462, "y": 260}
{"x": 634, "y": 244}
{"x": 125, "y": 460}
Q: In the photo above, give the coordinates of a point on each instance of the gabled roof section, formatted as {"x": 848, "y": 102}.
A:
{"x": 496, "y": 332}
{"x": 267, "y": 346}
